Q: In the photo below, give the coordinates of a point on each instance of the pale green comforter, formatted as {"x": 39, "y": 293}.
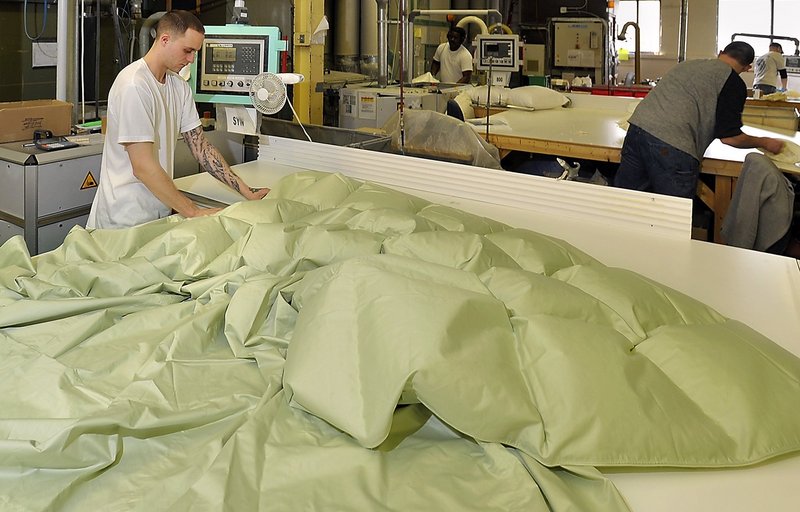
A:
{"x": 341, "y": 346}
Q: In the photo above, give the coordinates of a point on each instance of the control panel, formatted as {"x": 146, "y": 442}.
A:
{"x": 230, "y": 58}
{"x": 229, "y": 64}
{"x": 793, "y": 64}
{"x": 500, "y": 52}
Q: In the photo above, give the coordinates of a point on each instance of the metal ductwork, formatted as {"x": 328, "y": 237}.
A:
{"x": 369, "y": 38}
{"x": 67, "y": 65}
{"x": 682, "y": 29}
{"x": 383, "y": 42}
{"x": 144, "y": 32}
{"x": 346, "y": 48}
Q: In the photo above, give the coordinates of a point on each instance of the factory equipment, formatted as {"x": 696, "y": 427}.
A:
{"x": 371, "y": 107}
{"x": 534, "y": 61}
{"x": 580, "y": 48}
{"x": 498, "y": 55}
{"x": 230, "y": 58}
{"x": 46, "y": 193}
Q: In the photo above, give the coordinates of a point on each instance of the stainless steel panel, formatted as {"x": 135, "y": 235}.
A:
{"x": 12, "y": 193}
{"x": 51, "y": 236}
{"x": 8, "y": 230}
{"x": 59, "y": 184}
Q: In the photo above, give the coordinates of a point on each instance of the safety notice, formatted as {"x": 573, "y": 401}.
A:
{"x": 89, "y": 181}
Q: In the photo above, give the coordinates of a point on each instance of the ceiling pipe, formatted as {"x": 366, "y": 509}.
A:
{"x": 772, "y": 37}
{"x": 145, "y": 37}
{"x": 682, "y": 30}
{"x": 67, "y": 65}
{"x": 383, "y": 43}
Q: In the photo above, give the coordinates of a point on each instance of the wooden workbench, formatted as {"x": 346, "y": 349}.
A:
{"x": 589, "y": 129}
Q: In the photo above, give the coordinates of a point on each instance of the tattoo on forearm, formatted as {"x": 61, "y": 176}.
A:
{"x": 210, "y": 159}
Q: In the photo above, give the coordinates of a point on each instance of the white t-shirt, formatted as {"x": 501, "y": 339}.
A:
{"x": 140, "y": 109}
{"x": 767, "y": 67}
{"x": 452, "y": 63}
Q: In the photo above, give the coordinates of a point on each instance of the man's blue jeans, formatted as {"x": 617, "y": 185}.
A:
{"x": 652, "y": 165}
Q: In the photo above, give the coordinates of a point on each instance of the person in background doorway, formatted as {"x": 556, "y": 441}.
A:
{"x": 767, "y": 69}
{"x": 452, "y": 61}
{"x": 696, "y": 102}
{"x": 149, "y": 105}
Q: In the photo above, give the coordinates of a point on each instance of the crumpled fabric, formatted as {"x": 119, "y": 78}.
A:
{"x": 343, "y": 346}
{"x": 430, "y": 134}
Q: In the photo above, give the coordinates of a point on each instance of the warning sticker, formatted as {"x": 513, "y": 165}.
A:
{"x": 89, "y": 181}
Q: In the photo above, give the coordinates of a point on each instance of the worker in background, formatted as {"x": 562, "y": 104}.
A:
{"x": 670, "y": 130}
{"x": 767, "y": 69}
{"x": 452, "y": 61}
{"x": 149, "y": 105}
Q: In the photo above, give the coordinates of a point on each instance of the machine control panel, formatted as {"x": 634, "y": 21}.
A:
{"x": 793, "y": 64}
{"x": 499, "y": 52}
{"x": 229, "y": 64}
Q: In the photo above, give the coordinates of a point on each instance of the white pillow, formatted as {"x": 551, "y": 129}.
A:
{"x": 478, "y": 95}
{"x": 465, "y": 102}
{"x": 535, "y": 97}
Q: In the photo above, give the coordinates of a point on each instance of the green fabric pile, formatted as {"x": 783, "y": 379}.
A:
{"x": 342, "y": 346}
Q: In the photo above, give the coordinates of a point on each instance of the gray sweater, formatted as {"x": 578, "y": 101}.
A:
{"x": 761, "y": 210}
{"x": 681, "y": 109}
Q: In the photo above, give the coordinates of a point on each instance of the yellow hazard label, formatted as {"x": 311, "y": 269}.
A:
{"x": 89, "y": 181}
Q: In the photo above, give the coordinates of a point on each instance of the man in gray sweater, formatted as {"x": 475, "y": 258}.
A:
{"x": 696, "y": 102}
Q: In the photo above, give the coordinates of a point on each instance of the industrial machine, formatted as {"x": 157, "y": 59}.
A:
{"x": 498, "y": 55}
{"x": 371, "y": 107}
{"x": 534, "y": 63}
{"x": 230, "y": 58}
{"x": 580, "y": 48}
{"x": 46, "y": 193}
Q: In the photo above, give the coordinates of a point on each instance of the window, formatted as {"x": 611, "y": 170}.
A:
{"x": 648, "y": 18}
{"x": 755, "y": 17}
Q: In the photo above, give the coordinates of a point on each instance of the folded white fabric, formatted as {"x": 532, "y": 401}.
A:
{"x": 426, "y": 78}
{"x": 535, "y": 97}
{"x": 498, "y": 95}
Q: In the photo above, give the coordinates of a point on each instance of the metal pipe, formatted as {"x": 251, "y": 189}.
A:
{"x": 97, "y": 61}
{"x": 771, "y": 37}
{"x": 75, "y": 77}
{"x": 62, "y": 36}
{"x": 463, "y": 22}
{"x": 368, "y": 39}
{"x": 637, "y": 67}
{"x": 383, "y": 43}
{"x": 144, "y": 32}
{"x": 682, "y": 30}
{"x": 408, "y": 47}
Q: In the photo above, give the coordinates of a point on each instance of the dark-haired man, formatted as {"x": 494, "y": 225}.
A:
{"x": 767, "y": 69}
{"x": 149, "y": 106}
{"x": 696, "y": 102}
{"x": 452, "y": 61}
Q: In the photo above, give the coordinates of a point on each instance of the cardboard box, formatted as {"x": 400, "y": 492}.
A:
{"x": 19, "y": 119}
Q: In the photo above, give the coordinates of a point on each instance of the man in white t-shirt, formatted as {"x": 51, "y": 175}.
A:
{"x": 767, "y": 69}
{"x": 149, "y": 107}
{"x": 452, "y": 61}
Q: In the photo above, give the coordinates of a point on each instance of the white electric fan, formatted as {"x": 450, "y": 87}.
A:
{"x": 268, "y": 93}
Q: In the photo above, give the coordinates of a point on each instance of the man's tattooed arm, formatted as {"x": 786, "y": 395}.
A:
{"x": 214, "y": 163}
